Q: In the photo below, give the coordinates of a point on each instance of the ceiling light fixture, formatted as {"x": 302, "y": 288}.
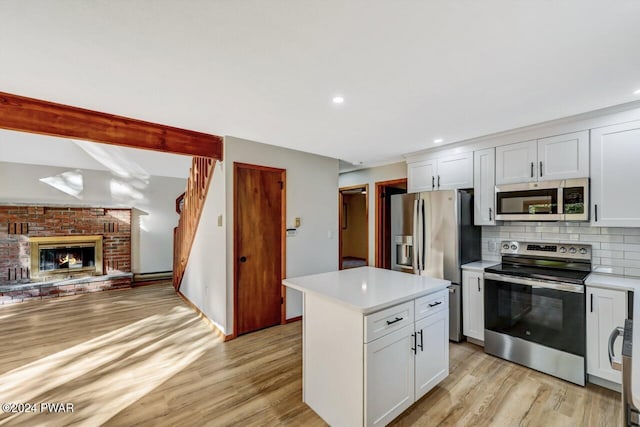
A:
{"x": 338, "y": 99}
{"x": 637, "y": 92}
{"x": 438, "y": 140}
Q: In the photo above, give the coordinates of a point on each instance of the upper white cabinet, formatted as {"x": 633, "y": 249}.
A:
{"x": 516, "y": 163}
{"x": 455, "y": 172}
{"x": 615, "y": 173}
{"x": 557, "y": 157}
{"x": 563, "y": 156}
{"x": 484, "y": 181}
{"x": 421, "y": 176}
{"x": 446, "y": 173}
{"x": 606, "y": 310}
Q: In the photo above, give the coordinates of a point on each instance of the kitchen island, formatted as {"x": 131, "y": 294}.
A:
{"x": 374, "y": 342}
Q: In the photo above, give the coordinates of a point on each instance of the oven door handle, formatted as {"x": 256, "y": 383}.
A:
{"x": 568, "y": 287}
{"x": 615, "y": 362}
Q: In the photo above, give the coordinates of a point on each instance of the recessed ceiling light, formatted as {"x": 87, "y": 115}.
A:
{"x": 438, "y": 140}
{"x": 637, "y": 92}
{"x": 338, "y": 99}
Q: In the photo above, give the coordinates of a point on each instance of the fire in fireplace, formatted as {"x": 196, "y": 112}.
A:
{"x": 67, "y": 258}
{"x": 66, "y": 255}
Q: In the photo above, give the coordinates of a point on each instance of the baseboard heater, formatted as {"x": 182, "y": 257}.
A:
{"x": 152, "y": 277}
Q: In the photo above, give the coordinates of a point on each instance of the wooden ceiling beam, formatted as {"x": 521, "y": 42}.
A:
{"x": 23, "y": 114}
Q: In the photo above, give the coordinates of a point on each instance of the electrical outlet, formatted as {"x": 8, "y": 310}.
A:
{"x": 493, "y": 247}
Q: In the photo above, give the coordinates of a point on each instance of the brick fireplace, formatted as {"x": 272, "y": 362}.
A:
{"x": 49, "y": 244}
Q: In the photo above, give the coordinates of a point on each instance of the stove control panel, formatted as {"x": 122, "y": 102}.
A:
{"x": 551, "y": 250}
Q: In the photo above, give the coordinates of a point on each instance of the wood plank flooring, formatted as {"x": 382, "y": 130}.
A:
{"x": 142, "y": 357}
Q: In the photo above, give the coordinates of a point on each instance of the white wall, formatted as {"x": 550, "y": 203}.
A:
{"x": 205, "y": 279}
{"x": 371, "y": 176}
{"x": 312, "y": 195}
{"x": 154, "y": 200}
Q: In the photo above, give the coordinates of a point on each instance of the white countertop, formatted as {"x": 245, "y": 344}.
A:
{"x": 367, "y": 289}
{"x": 479, "y": 265}
{"x": 626, "y": 284}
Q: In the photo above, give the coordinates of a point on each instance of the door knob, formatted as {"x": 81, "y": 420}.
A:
{"x": 243, "y": 259}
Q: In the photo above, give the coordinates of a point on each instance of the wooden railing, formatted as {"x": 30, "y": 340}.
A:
{"x": 191, "y": 208}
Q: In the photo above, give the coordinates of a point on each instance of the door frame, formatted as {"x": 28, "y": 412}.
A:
{"x": 283, "y": 239}
{"x": 380, "y": 186}
{"x": 340, "y": 218}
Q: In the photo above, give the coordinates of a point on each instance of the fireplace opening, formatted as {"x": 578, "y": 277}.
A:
{"x": 67, "y": 258}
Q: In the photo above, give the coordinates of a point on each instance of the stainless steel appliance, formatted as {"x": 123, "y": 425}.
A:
{"x": 630, "y": 414}
{"x": 433, "y": 234}
{"x": 566, "y": 200}
{"x": 534, "y": 305}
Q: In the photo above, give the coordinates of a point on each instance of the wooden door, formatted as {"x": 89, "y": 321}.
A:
{"x": 258, "y": 246}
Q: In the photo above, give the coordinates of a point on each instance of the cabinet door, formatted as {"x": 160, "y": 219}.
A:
{"x": 517, "y": 163}
{"x": 606, "y": 310}
{"x": 564, "y": 156}
{"x": 484, "y": 182}
{"x": 389, "y": 379}
{"x": 432, "y": 356}
{"x": 473, "y": 304}
{"x": 455, "y": 172}
{"x": 421, "y": 176}
{"x": 615, "y": 173}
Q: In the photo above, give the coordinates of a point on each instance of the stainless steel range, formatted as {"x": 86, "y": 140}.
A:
{"x": 534, "y": 307}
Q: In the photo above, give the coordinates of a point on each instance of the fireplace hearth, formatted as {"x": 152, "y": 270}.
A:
{"x": 70, "y": 256}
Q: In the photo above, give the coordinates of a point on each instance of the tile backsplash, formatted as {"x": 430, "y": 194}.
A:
{"x": 615, "y": 250}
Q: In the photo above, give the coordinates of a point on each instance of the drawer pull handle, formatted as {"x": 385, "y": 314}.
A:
{"x": 435, "y": 303}
{"x": 391, "y": 322}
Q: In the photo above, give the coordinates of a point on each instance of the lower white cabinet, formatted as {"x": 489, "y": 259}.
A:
{"x": 432, "y": 358}
{"x": 390, "y": 373}
{"x": 606, "y": 310}
{"x": 404, "y": 365}
{"x": 473, "y": 304}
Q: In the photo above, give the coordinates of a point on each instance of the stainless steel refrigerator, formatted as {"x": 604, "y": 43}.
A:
{"x": 432, "y": 233}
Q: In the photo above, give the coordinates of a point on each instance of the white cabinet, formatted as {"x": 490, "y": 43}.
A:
{"x": 446, "y": 173}
{"x": 553, "y": 158}
{"x": 606, "y": 310}
{"x": 455, "y": 172}
{"x": 484, "y": 181}
{"x": 389, "y": 379}
{"x": 402, "y": 366}
{"x": 432, "y": 357}
{"x": 473, "y": 304}
{"x": 516, "y": 163}
{"x": 421, "y": 176}
{"x": 563, "y": 156}
{"x": 615, "y": 174}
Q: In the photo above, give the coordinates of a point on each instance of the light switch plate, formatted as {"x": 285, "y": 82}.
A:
{"x": 297, "y": 222}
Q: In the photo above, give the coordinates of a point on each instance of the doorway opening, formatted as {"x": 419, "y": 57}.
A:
{"x": 354, "y": 226}
{"x": 384, "y": 191}
{"x": 259, "y": 247}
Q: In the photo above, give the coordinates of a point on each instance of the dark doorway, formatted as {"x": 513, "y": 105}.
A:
{"x": 384, "y": 191}
{"x": 354, "y": 226}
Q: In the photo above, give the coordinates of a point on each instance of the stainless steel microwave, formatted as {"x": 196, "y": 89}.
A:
{"x": 565, "y": 200}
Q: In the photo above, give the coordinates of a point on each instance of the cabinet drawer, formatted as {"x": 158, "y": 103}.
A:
{"x": 379, "y": 324}
{"x": 430, "y": 304}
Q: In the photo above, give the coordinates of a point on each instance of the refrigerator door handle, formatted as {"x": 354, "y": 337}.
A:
{"x": 415, "y": 244}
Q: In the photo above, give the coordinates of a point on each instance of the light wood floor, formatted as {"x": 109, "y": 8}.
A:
{"x": 142, "y": 357}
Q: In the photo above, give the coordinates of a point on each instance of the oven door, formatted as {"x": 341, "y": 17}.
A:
{"x": 548, "y": 313}
{"x": 534, "y": 201}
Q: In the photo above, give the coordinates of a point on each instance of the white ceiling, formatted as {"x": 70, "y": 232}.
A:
{"x": 410, "y": 71}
